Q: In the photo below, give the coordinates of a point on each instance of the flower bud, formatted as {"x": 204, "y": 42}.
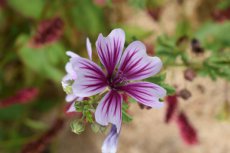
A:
{"x": 77, "y": 127}
{"x": 189, "y": 74}
{"x": 196, "y": 47}
{"x": 185, "y": 94}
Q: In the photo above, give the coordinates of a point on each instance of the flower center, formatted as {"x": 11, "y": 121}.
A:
{"x": 117, "y": 80}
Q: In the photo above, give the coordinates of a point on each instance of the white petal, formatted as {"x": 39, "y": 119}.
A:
{"x": 72, "y": 54}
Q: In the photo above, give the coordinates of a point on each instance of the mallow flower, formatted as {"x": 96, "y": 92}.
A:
{"x": 121, "y": 73}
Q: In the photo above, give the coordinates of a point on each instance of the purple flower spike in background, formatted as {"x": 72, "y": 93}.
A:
{"x": 121, "y": 75}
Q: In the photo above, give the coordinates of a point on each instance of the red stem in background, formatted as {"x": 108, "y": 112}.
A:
{"x": 172, "y": 104}
{"x": 21, "y": 97}
{"x": 39, "y": 145}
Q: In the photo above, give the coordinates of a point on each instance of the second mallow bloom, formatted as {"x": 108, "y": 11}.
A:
{"x": 121, "y": 75}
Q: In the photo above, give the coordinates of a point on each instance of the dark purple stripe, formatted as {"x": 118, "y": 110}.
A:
{"x": 127, "y": 60}
{"x": 108, "y": 102}
{"x": 91, "y": 67}
{"x": 140, "y": 72}
{"x": 133, "y": 65}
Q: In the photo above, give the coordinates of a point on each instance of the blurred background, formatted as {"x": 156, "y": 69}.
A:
{"x": 191, "y": 36}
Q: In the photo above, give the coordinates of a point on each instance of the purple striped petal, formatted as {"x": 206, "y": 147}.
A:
{"x": 71, "y": 74}
{"x": 90, "y": 78}
{"x": 70, "y": 97}
{"x": 110, "y": 49}
{"x": 89, "y": 48}
{"x": 136, "y": 64}
{"x": 145, "y": 93}
{"x": 72, "y": 54}
{"x": 111, "y": 141}
{"x": 71, "y": 108}
{"x": 70, "y": 71}
{"x": 109, "y": 110}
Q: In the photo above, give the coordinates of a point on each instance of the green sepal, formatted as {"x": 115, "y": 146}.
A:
{"x": 68, "y": 89}
{"x": 97, "y": 128}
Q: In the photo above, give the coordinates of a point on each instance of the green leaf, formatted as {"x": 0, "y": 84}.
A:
{"x": 157, "y": 79}
{"x": 87, "y": 16}
{"x": 223, "y": 4}
{"x": 216, "y": 66}
{"x": 185, "y": 58}
{"x": 88, "y": 116}
{"x": 126, "y": 117}
{"x": 44, "y": 60}
{"x": 2, "y": 133}
{"x": 125, "y": 106}
{"x": 170, "y": 90}
{"x": 213, "y": 35}
{"x": 138, "y": 3}
{"x": 13, "y": 112}
{"x": 27, "y": 7}
{"x": 131, "y": 100}
{"x": 79, "y": 106}
{"x": 37, "y": 125}
{"x": 183, "y": 28}
{"x": 134, "y": 32}
{"x": 167, "y": 49}
{"x": 45, "y": 105}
